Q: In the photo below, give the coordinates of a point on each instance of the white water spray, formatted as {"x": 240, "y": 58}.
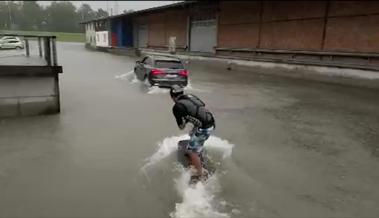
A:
{"x": 156, "y": 90}
{"x": 199, "y": 200}
{"x": 129, "y": 76}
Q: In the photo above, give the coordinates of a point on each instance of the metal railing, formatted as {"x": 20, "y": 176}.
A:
{"x": 46, "y": 46}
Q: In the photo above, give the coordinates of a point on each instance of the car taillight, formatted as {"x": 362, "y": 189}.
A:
{"x": 183, "y": 73}
{"x": 156, "y": 72}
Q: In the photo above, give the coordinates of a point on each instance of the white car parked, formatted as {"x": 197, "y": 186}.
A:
{"x": 8, "y": 37}
{"x": 9, "y": 42}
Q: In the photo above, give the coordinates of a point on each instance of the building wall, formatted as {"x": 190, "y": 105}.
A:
{"x": 156, "y": 30}
{"x": 166, "y": 24}
{"x": 271, "y": 24}
{"x": 292, "y": 35}
{"x": 138, "y": 21}
{"x": 296, "y": 25}
{"x": 90, "y": 34}
{"x": 121, "y": 32}
{"x": 231, "y": 26}
{"x": 28, "y": 96}
{"x": 350, "y": 26}
{"x": 114, "y": 37}
{"x": 176, "y": 26}
{"x": 127, "y": 32}
{"x": 287, "y": 31}
{"x": 102, "y": 39}
{"x": 353, "y": 26}
{"x": 101, "y": 25}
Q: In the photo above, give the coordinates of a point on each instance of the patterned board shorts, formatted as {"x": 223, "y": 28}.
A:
{"x": 198, "y": 137}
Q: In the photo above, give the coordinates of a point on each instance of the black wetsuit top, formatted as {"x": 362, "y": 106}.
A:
{"x": 189, "y": 108}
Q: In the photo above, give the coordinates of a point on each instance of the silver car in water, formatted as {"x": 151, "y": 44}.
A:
{"x": 162, "y": 71}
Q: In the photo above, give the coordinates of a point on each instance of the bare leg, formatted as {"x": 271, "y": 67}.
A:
{"x": 195, "y": 160}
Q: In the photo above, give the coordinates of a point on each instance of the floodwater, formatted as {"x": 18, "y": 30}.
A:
{"x": 284, "y": 147}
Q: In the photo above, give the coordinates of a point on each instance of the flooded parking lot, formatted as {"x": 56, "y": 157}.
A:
{"x": 286, "y": 147}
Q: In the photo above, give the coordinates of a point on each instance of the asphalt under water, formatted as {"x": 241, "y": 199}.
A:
{"x": 301, "y": 149}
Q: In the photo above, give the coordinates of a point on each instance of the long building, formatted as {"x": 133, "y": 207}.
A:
{"x": 331, "y": 33}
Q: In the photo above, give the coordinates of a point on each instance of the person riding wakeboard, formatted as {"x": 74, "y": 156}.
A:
{"x": 189, "y": 108}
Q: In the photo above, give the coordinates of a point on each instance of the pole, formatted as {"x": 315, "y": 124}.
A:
{"x": 54, "y": 48}
{"x": 47, "y": 51}
{"x": 40, "y": 46}
{"x": 107, "y": 7}
{"x": 27, "y": 47}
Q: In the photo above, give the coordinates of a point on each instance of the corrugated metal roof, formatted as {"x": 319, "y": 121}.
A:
{"x": 179, "y": 4}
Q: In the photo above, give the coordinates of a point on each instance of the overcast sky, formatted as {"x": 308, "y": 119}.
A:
{"x": 122, "y": 5}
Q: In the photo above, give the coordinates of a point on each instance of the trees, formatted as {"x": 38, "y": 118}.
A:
{"x": 14, "y": 14}
{"x": 3, "y": 15}
{"x": 85, "y": 12}
{"x": 31, "y": 16}
{"x": 60, "y": 16}
{"x": 101, "y": 13}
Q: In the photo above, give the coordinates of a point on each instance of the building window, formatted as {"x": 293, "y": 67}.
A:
{"x": 97, "y": 38}
{"x": 105, "y": 36}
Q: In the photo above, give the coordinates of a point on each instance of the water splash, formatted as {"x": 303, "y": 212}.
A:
{"x": 169, "y": 145}
{"x": 129, "y": 76}
{"x": 156, "y": 90}
{"x": 199, "y": 200}
{"x": 165, "y": 148}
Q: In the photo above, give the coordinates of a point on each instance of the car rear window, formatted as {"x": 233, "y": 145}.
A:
{"x": 169, "y": 64}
